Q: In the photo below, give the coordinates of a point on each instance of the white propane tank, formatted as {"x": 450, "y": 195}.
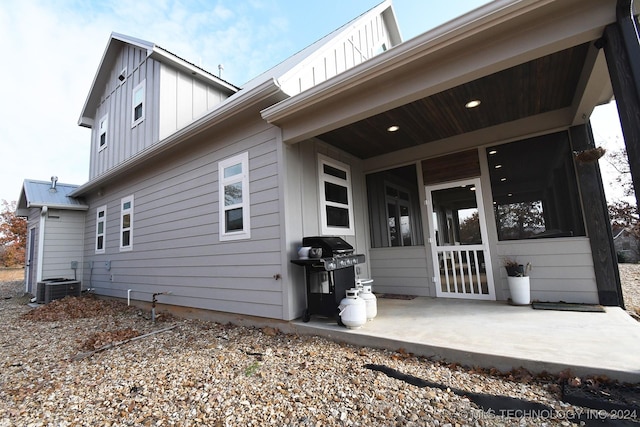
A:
{"x": 361, "y": 282}
{"x": 353, "y": 310}
{"x": 370, "y": 301}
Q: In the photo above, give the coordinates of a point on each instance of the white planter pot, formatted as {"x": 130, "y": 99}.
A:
{"x": 520, "y": 290}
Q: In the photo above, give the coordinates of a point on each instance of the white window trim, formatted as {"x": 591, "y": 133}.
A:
{"x": 102, "y": 220}
{"x": 142, "y": 86}
{"x": 103, "y": 130}
{"x": 245, "y": 233}
{"x": 322, "y": 178}
{"x": 130, "y": 229}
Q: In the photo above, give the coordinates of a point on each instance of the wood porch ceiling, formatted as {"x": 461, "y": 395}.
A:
{"x": 538, "y": 86}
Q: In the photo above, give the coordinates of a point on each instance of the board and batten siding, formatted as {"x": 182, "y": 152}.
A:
{"x": 176, "y": 246}
{"x": 63, "y": 243}
{"x": 183, "y": 98}
{"x": 123, "y": 140}
{"x": 363, "y": 41}
{"x": 401, "y": 270}
{"x": 562, "y": 268}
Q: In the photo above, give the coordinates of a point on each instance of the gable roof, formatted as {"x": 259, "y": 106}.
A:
{"x": 38, "y": 194}
{"x": 296, "y": 62}
{"x": 259, "y": 92}
{"x": 447, "y": 63}
{"x": 116, "y": 41}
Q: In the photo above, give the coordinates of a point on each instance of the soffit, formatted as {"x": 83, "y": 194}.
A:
{"x": 535, "y": 87}
{"x": 536, "y": 60}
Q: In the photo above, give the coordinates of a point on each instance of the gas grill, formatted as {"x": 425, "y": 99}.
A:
{"x": 328, "y": 275}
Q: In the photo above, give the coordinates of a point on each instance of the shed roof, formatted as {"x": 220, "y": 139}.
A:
{"x": 37, "y": 194}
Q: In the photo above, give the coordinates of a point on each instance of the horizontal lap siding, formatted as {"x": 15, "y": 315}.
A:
{"x": 562, "y": 269}
{"x": 176, "y": 245}
{"x": 400, "y": 270}
{"x": 63, "y": 240}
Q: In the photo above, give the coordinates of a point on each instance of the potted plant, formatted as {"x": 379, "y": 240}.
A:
{"x": 518, "y": 280}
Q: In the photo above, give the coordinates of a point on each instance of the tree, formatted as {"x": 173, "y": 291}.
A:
{"x": 622, "y": 213}
{"x": 13, "y": 236}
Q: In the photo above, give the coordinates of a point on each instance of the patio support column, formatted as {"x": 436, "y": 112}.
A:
{"x": 622, "y": 51}
{"x": 597, "y": 219}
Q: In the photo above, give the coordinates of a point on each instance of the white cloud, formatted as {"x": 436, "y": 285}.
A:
{"x": 54, "y": 49}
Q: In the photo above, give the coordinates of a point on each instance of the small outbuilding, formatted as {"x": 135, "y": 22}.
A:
{"x": 55, "y": 224}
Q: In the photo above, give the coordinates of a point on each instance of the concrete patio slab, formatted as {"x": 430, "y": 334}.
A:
{"x": 496, "y": 334}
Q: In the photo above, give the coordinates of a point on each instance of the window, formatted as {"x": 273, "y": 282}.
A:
{"x": 336, "y": 206}
{"x": 126, "y": 223}
{"x": 102, "y": 132}
{"x": 137, "y": 104}
{"x": 233, "y": 188}
{"x": 101, "y": 221}
{"x": 398, "y": 215}
{"x": 534, "y": 188}
{"x": 394, "y": 210}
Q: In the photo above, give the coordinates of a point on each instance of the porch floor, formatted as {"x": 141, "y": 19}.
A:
{"x": 496, "y": 334}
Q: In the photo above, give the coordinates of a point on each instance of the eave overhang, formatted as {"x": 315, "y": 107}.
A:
{"x": 116, "y": 41}
{"x": 495, "y": 37}
{"x": 234, "y": 107}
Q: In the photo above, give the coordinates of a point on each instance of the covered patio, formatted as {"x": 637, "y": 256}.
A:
{"x": 497, "y": 334}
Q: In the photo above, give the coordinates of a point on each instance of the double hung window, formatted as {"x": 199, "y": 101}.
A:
{"x": 233, "y": 188}
{"x": 137, "y": 104}
{"x": 336, "y": 205}
{"x": 101, "y": 221}
{"x": 126, "y": 223}
{"x": 102, "y": 129}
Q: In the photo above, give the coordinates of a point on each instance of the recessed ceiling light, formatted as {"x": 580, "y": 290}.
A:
{"x": 503, "y": 179}
{"x": 492, "y": 152}
{"x": 393, "y": 128}
{"x": 497, "y": 166}
{"x": 472, "y": 104}
{"x": 473, "y": 189}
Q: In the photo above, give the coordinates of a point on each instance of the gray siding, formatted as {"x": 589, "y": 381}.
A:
{"x": 175, "y": 230}
{"x": 363, "y": 41}
{"x": 123, "y": 141}
{"x": 401, "y": 270}
{"x": 303, "y": 209}
{"x": 183, "y": 98}
{"x": 63, "y": 240}
{"x": 562, "y": 268}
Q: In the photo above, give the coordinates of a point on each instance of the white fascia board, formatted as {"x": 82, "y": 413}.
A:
{"x": 460, "y": 32}
{"x": 58, "y": 206}
{"x": 234, "y": 105}
{"x": 338, "y": 36}
{"x": 86, "y": 120}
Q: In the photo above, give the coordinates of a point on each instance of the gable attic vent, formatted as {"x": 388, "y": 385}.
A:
{"x": 123, "y": 75}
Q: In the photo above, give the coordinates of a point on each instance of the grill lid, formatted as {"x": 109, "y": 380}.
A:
{"x": 330, "y": 245}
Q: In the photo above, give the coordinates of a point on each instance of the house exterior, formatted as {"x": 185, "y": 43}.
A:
{"x": 626, "y": 244}
{"x": 55, "y": 231}
{"x": 206, "y": 190}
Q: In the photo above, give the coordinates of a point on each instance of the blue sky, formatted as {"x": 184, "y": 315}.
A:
{"x": 55, "y": 46}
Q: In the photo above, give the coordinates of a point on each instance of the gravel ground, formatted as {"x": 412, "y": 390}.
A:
{"x": 210, "y": 374}
{"x": 630, "y": 279}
